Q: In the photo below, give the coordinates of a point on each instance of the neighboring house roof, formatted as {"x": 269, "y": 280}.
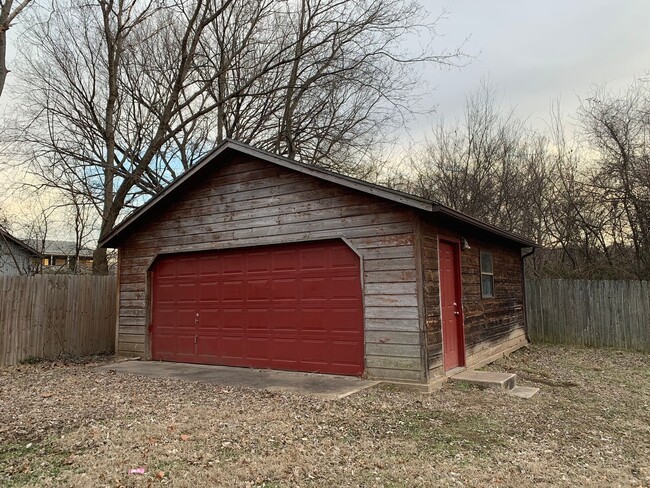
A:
{"x": 111, "y": 238}
{"x": 4, "y": 235}
{"x": 60, "y": 248}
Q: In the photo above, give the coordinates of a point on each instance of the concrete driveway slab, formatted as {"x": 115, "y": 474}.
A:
{"x": 325, "y": 386}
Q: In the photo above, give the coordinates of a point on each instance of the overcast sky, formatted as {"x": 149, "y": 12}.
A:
{"x": 536, "y": 51}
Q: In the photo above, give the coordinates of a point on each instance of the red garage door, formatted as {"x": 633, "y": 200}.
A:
{"x": 295, "y": 307}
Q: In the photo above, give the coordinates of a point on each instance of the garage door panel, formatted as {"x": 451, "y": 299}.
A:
{"x": 233, "y": 291}
{"x": 231, "y": 264}
{"x": 344, "y": 287}
{"x": 316, "y": 288}
{"x": 342, "y": 259}
{"x": 187, "y": 267}
{"x": 206, "y": 347}
{"x": 210, "y": 267}
{"x": 256, "y": 263}
{"x": 230, "y": 346}
{"x": 285, "y": 261}
{"x": 285, "y": 289}
{"x": 258, "y": 290}
{"x": 258, "y": 347}
{"x": 314, "y": 259}
{"x": 209, "y": 318}
{"x": 209, "y": 292}
{"x": 166, "y": 317}
{"x": 295, "y": 307}
{"x": 166, "y": 292}
{"x": 175, "y": 342}
{"x": 259, "y": 321}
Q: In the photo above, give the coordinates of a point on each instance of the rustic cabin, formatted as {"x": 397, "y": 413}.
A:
{"x": 253, "y": 260}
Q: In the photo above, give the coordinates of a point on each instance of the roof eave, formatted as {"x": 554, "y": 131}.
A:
{"x": 22, "y": 244}
{"x": 442, "y": 209}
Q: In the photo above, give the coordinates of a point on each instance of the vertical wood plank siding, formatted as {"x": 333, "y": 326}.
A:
{"x": 590, "y": 313}
{"x": 248, "y": 202}
{"x": 46, "y": 316}
{"x": 491, "y": 324}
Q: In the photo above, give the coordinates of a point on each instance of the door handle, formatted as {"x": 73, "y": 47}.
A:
{"x": 456, "y": 313}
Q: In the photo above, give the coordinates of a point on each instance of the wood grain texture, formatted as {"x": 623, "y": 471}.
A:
{"x": 248, "y": 202}
{"x": 590, "y": 313}
{"x": 46, "y": 316}
{"x": 487, "y": 321}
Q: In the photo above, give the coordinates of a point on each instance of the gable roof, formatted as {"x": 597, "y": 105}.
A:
{"x": 111, "y": 238}
{"x": 6, "y": 236}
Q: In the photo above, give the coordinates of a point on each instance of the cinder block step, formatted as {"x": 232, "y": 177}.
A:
{"x": 487, "y": 379}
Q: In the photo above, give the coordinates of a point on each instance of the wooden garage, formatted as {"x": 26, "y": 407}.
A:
{"x": 254, "y": 260}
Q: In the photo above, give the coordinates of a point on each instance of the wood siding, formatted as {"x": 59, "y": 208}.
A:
{"x": 490, "y": 323}
{"x": 46, "y": 316}
{"x": 248, "y": 202}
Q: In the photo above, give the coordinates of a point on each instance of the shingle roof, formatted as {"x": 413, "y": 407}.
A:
{"x": 60, "y": 248}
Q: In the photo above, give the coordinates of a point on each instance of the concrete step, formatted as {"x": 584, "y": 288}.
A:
{"x": 501, "y": 381}
{"x": 487, "y": 379}
{"x": 523, "y": 391}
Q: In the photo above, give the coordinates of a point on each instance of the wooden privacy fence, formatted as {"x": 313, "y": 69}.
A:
{"x": 46, "y": 316}
{"x": 589, "y": 313}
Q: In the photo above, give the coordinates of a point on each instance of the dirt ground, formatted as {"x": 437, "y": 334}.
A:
{"x": 67, "y": 425}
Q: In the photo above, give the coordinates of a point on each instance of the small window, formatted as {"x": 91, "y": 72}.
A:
{"x": 487, "y": 275}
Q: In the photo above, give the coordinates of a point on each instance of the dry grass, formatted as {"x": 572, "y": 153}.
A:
{"x": 67, "y": 425}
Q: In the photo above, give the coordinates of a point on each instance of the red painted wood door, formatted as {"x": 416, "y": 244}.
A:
{"x": 293, "y": 307}
{"x": 450, "y": 303}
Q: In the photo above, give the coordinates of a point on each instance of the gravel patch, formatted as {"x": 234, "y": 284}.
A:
{"x": 65, "y": 424}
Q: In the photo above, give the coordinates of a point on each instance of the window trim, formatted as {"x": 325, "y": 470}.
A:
{"x": 490, "y": 274}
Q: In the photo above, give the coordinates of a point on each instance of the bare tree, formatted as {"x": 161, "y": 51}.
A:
{"x": 488, "y": 165}
{"x": 617, "y": 128}
{"x": 8, "y": 13}
{"x": 128, "y": 94}
{"x": 96, "y": 125}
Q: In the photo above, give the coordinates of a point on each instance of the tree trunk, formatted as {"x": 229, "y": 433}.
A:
{"x": 3, "y": 54}
{"x": 100, "y": 263}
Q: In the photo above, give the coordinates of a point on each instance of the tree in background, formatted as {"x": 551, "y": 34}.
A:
{"x": 488, "y": 165}
{"x": 9, "y": 10}
{"x": 125, "y": 95}
{"x": 617, "y": 130}
{"x": 585, "y": 201}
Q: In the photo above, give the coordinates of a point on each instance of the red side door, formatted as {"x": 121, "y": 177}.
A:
{"x": 453, "y": 339}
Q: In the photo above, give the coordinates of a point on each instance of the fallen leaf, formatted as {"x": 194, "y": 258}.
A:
{"x": 160, "y": 475}
{"x": 47, "y": 395}
{"x": 185, "y": 437}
